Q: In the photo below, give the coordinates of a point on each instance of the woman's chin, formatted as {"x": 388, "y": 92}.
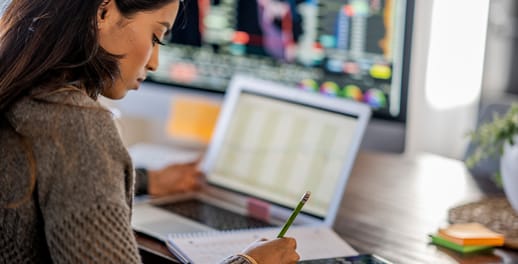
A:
{"x": 115, "y": 95}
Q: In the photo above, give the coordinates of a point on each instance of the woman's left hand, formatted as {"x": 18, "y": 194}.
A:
{"x": 175, "y": 178}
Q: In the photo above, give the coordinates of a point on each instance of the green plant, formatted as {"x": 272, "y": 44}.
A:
{"x": 491, "y": 137}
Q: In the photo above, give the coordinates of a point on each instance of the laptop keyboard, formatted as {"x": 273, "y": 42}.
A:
{"x": 213, "y": 216}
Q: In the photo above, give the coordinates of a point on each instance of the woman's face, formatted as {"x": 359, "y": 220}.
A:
{"x": 136, "y": 39}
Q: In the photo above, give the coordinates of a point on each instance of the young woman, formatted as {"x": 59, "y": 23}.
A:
{"x": 66, "y": 180}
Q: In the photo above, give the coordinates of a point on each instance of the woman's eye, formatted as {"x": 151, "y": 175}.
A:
{"x": 156, "y": 40}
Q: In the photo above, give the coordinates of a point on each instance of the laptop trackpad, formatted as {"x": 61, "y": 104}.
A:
{"x": 159, "y": 223}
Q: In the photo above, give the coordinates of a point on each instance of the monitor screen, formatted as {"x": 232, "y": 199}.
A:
{"x": 352, "y": 49}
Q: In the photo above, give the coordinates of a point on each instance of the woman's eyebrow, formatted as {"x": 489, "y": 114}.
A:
{"x": 166, "y": 25}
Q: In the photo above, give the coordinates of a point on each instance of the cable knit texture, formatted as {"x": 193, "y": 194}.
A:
{"x": 79, "y": 211}
{"x": 236, "y": 259}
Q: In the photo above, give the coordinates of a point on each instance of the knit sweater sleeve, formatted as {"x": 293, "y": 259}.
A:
{"x": 84, "y": 187}
{"x": 97, "y": 234}
{"x": 235, "y": 259}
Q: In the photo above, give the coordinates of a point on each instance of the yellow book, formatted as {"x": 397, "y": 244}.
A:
{"x": 471, "y": 234}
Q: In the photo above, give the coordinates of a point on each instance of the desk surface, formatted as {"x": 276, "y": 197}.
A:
{"x": 392, "y": 202}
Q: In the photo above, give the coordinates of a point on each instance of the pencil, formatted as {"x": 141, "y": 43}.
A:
{"x": 293, "y": 215}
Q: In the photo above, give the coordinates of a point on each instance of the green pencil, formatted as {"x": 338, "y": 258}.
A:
{"x": 293, "y": 215}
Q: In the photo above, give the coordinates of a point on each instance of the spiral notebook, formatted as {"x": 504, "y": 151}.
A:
{"x": 211, "y": 247}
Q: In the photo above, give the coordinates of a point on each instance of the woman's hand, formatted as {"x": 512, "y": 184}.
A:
{"x": 174, "y": 178}
{"x": 279, "y": 250}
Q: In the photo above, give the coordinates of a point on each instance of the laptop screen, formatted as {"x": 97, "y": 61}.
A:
{"x": 277, "y": 147}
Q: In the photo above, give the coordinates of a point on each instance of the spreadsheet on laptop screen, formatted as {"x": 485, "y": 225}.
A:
{"x": 277, "y": 149}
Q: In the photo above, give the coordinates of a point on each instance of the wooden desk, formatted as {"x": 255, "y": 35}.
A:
{"x": 392, "y": 202}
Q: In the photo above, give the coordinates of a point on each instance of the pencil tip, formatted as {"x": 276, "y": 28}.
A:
{"x": 306, "y": 196}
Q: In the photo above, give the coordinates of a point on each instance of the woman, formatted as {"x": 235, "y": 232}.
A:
{"x": 66, "y": 181}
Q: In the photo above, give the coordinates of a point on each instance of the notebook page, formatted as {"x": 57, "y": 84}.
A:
{"x": 212, "y": 247}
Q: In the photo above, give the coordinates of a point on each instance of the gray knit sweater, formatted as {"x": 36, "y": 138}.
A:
{"x": 80, "y": 208}
{"x": 81, "y": 205}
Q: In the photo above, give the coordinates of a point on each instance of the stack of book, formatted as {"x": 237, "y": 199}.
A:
{"x": 467, "y": 237}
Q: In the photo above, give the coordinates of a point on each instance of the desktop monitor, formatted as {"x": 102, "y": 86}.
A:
{"x": 352, "y": 49}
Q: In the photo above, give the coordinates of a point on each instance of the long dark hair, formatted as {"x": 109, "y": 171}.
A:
{"x": 51, "y": 43}
{"x": 55, "y": 42}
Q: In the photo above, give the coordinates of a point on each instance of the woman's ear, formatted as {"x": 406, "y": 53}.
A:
{"x": 105, "y": 12}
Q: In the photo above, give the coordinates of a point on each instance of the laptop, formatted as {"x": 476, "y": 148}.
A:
{"x": 271, "y": 144}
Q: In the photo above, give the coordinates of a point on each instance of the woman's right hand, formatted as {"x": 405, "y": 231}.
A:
{"x": 279, "y": 250}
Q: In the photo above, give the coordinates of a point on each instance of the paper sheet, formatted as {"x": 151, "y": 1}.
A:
{"x": 212, "y": 247}
{"x": 192, "y": 119}
{"x": 154, "y": 156}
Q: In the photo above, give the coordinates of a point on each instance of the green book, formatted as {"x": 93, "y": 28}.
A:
{"x": 460, "y": 248}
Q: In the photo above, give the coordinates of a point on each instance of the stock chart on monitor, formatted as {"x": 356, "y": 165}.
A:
{"x": 353, "y": 49}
